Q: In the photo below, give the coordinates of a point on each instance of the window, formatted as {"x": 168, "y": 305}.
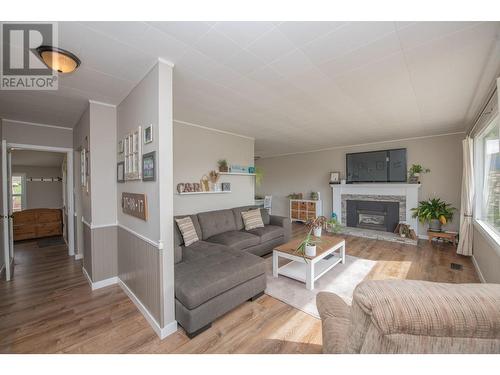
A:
{"x": 487, "y": 155}
{"x": 18, "y": 192}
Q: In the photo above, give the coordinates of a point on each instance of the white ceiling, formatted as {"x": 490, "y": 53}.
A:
{"x": 30, "y": 158}
{"x": 293, "y": 86}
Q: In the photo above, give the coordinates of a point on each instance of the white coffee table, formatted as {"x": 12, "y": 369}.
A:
{"x": 329, "y": 253}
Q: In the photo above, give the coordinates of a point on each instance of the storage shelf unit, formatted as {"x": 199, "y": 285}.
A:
{"x": 304, "y": 209}
{"x": 205, "y": 192}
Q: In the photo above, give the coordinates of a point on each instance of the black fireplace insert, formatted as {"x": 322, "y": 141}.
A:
{"x": 376, "y": 215}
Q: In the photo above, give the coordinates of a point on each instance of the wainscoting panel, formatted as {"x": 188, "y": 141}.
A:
{"x": 139, "y": 269}
{"x": 104, "y": 256}
{"x": 87, "y": 249}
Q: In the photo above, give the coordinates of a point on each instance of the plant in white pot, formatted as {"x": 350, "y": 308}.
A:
{"x": 316, "y": 225}
{"x": 307, "y": 248}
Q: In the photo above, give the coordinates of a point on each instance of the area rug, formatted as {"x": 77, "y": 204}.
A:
{"x": 341, "y": 280}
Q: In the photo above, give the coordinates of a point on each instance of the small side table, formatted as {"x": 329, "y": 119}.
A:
{"x": 450, "y": 236}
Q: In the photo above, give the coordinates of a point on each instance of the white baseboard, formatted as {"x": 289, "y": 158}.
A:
{"x": 78, "y": 256}
{"x": 99, "y": 284}
{"x": 161, "y": 332}
{"x": 478, "y": 270}
{"x": 1, "y": 270}
{"x": 103, "y": 283}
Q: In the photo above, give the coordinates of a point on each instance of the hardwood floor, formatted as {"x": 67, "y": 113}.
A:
{"x": 49, "y": 307}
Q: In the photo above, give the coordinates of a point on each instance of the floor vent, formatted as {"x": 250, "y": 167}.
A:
{"x": 456, "y": 266}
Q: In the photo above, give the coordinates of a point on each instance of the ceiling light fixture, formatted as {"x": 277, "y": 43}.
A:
{"x": 58, "y": 59}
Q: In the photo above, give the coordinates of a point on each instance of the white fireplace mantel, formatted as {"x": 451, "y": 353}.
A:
{"x": 410, "y": 191}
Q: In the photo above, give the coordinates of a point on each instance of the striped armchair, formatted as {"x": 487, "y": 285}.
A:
{"x": 403, "y": 316}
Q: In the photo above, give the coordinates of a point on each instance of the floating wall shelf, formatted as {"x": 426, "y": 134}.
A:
{"x": 205, "y": 192}
{"x": 236, "y": 174}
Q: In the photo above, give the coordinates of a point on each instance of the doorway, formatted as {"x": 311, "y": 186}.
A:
{"x": 37, "y": 191}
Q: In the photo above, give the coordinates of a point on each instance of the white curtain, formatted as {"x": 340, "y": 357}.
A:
{"x": 466, "y": 230}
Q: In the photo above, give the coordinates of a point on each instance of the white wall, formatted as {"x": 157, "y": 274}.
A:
{"x": 42, "y": 194}
{"x": 486, "y": 251}
{"x": 32, "y": 134}
{"x": 103, "y": 163}
{"x": 196, "y": 152}
{"x": 310, "y": 172}
{"x": 81, "y": 139}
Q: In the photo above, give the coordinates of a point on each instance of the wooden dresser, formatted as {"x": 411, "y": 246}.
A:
{"x": 37, "y": 223}
{"x": 304, "y": 209}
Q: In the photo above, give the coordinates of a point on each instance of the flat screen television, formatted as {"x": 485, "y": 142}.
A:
{"x": 376, "y": 166}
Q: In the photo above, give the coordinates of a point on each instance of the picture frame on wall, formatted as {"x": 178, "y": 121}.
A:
{"x": 148, "y": 166}
{"x": 334, "y": 177}
{"x": 133, "y": 155}
{"x": 148, "y": 134}
{"x": 120, "y": 171}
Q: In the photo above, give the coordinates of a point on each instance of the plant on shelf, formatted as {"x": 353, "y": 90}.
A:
{"x": 223, "y": 165}
{"x": 307, "y": 247}
{"x": 316, "y": 225}
{"x": 434, "y": 211}
{"x": 415, "y": 171}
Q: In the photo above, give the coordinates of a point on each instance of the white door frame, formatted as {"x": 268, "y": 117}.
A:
{"x": 5, "y": 213}
{"x": 69, "y": 184}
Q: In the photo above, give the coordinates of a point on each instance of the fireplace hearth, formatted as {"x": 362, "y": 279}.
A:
{"x": 375, "y": 215}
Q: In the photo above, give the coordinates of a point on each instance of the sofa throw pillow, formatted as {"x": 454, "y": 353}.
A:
{"x": 186, "y": 227}
{"x": 252, "y": 219}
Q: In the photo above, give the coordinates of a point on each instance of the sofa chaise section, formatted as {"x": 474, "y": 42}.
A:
{"x": 222, "y": 269}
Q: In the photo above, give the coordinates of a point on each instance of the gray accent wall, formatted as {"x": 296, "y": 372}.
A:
{"x": 87, "y": 249}
{"x": 104, "y": 253}
{"x": 309, "y": 172}
{"x": 196, "y": 152}
{"x": 139, "y": 268}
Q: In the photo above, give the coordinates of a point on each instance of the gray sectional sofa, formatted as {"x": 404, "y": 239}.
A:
{"x": 224, "y": 268}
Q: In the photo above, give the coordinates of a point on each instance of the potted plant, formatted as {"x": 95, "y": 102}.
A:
{"x": 415, "y": 171}
{"x": 308, "y": 245}
{"x": 333, "y": 225}
{"x": 223, "y": 165}
{"x": 316, "y": 225}
{"x": 434, "y": 211}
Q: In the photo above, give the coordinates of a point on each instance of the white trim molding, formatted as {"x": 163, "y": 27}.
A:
{"x": 86, "y": 223}
{"x": 149, "y": 241}
{"x": 78, "y": 256}
{"x": 102, "y": 103}
{"x": 358, "y": 145}
{"x": 38, "y": 124}
{"x": 161, "y": 332}
{"x": 490, "y": 235}
{"x": 212, "y": 129}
